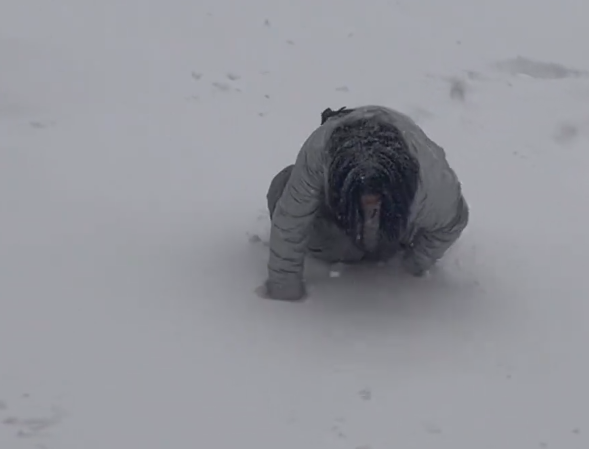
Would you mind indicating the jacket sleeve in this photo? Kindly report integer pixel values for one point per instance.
(294, 214)
(437, 234)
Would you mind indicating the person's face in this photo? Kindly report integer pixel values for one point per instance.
(370, 204)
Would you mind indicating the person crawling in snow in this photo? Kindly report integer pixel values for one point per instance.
(367, 184)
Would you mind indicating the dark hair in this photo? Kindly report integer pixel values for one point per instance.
(370, 157)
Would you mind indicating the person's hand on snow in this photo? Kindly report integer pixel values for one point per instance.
(412, 266)
(292, 291)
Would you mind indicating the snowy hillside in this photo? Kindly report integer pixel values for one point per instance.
(137, 141)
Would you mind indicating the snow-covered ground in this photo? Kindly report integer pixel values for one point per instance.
(137, 141)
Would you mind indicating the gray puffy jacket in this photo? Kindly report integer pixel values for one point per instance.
(438, 215)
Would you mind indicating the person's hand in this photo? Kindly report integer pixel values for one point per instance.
(293, 291)
(411, 266)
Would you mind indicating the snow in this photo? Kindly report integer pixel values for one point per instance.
(137, 143)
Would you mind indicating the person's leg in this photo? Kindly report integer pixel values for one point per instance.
(277, 187)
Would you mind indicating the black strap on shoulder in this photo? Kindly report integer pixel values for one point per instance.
(329, 113)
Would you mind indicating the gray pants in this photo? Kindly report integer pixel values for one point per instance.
(326, 240)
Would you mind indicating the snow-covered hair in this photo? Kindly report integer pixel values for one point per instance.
(370, 157)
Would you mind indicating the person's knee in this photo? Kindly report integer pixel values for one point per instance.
(276, 188)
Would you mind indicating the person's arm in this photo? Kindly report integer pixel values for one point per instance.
(437, 236)
(292, 219)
